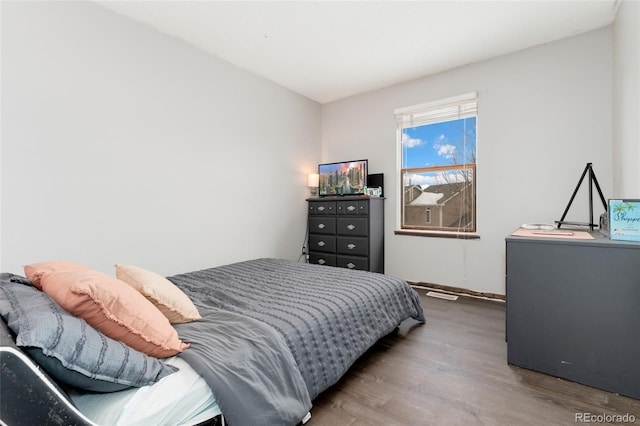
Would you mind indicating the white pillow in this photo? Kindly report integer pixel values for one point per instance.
(169, 299)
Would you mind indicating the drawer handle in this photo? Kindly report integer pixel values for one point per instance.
(321, 226)
(351, 246)
(321, 243)
(351, 227)
(321, 208)
(350, 265)
(321, 262)
(351, 208)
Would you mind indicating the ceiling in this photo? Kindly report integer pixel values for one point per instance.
(328, 50)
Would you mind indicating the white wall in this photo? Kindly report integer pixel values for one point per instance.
(626, 100)
(120, 144)
(543, 114)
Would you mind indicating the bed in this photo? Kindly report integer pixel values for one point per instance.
(272, 335)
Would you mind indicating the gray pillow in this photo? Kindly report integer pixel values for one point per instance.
(69, 349)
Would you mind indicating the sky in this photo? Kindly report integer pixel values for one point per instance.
(438, 144)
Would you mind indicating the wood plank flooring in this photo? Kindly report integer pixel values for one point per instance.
(453, 371)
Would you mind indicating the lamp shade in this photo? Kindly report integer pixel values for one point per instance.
(313, 180)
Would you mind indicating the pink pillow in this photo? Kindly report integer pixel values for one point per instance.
(115, 309)
(35, 271)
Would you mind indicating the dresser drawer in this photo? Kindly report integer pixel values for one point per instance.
(324, 243)
(352, 207)
(322, 207)
(358, 246)
(353, 262)
(322, 258)
(356, 226)
(322, 225)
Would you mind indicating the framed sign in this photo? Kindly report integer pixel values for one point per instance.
(374, 192)
(624, 219)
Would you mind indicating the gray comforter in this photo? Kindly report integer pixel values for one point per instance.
(276, 333)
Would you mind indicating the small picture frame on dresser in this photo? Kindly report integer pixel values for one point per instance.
(373, 192)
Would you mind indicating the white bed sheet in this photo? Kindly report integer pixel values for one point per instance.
(182, 398)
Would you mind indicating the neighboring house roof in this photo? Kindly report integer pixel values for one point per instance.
(434, 193)
(427, 199)
(411, 192)
(448, 189)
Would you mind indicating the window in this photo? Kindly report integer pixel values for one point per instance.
(437, 164)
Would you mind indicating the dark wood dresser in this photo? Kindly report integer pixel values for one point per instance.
(347, 232)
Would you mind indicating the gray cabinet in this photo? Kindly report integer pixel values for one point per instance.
(573, 310)
(347, 232)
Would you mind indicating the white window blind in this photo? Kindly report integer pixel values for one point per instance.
(442, 110)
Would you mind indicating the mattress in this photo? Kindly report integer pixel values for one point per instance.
(182, 398)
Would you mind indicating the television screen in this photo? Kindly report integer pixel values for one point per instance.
(343, 178)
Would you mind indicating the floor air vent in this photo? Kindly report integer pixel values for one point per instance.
(442, 295)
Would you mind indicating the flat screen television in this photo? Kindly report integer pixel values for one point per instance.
(342, 178)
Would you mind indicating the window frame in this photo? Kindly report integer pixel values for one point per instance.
(450, 109)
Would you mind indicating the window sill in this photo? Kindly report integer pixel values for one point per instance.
(439, 234)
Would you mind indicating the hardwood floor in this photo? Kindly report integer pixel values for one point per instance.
(453, 371)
